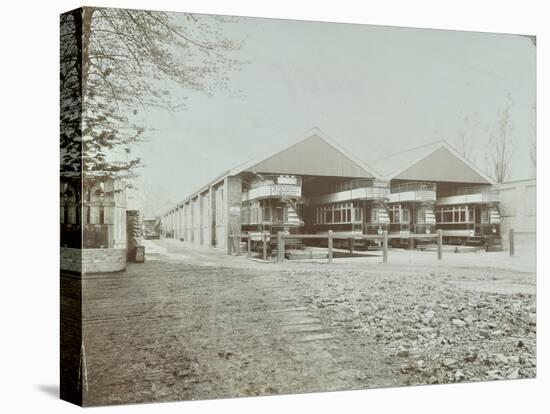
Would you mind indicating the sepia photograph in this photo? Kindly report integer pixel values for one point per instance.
(255, 206)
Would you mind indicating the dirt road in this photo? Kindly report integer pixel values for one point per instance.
(192, 323)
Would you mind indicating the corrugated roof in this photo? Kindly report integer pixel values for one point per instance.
(348, 164)
(311, 153)
(426, 162)
(389, 164)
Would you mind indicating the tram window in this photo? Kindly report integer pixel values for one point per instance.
(447, 216)
(357, 213)
(405, 216)
(462, 216)
(393, 212)
(278, 215)
(485, 216)
(328, 215)
(338, 216)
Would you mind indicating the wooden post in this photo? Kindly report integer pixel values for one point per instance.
(351, 242)
(249, 246)
(385, 244)
(330, 246)
(230, 244)
(512, 244)
(280, 247)
(264, 246)
(237, 244)
(439, 244)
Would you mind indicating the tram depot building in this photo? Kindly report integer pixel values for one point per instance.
(313, 185)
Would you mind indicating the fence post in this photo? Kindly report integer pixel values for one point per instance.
(238, 244)
(249, 246)
(439, 244)
(330, 246)
(229, 244)
(385, 244)
(280, 247)
(512, 244)
(264, 246)
(351, 242)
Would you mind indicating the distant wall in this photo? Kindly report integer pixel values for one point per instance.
(518, 205)
(518, 210)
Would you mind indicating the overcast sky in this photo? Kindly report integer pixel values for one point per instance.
(373, 89)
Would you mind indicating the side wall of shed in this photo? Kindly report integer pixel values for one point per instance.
(518, 208)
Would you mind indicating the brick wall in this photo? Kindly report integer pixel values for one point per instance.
(93, 260)
(233, 207)
(518, 205)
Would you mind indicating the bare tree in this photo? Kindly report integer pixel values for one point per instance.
(499, 158)
(117, 63)
(465, 138)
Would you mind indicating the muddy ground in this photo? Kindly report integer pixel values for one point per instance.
(192, 323)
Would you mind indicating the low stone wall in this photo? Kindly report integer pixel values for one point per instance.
(93, 260)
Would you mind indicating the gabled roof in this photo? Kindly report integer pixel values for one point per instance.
(436, 161)
(311, 153)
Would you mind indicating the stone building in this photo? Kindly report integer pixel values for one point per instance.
(93, 225)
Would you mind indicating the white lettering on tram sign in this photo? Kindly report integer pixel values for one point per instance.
(285, 179)
(286, 190)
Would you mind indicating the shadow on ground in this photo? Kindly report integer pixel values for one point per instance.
(49, 389)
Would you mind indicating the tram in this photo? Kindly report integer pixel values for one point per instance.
(470, 216)
(411, 210)
(351, 209)
(151, 228)
(270, 204)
